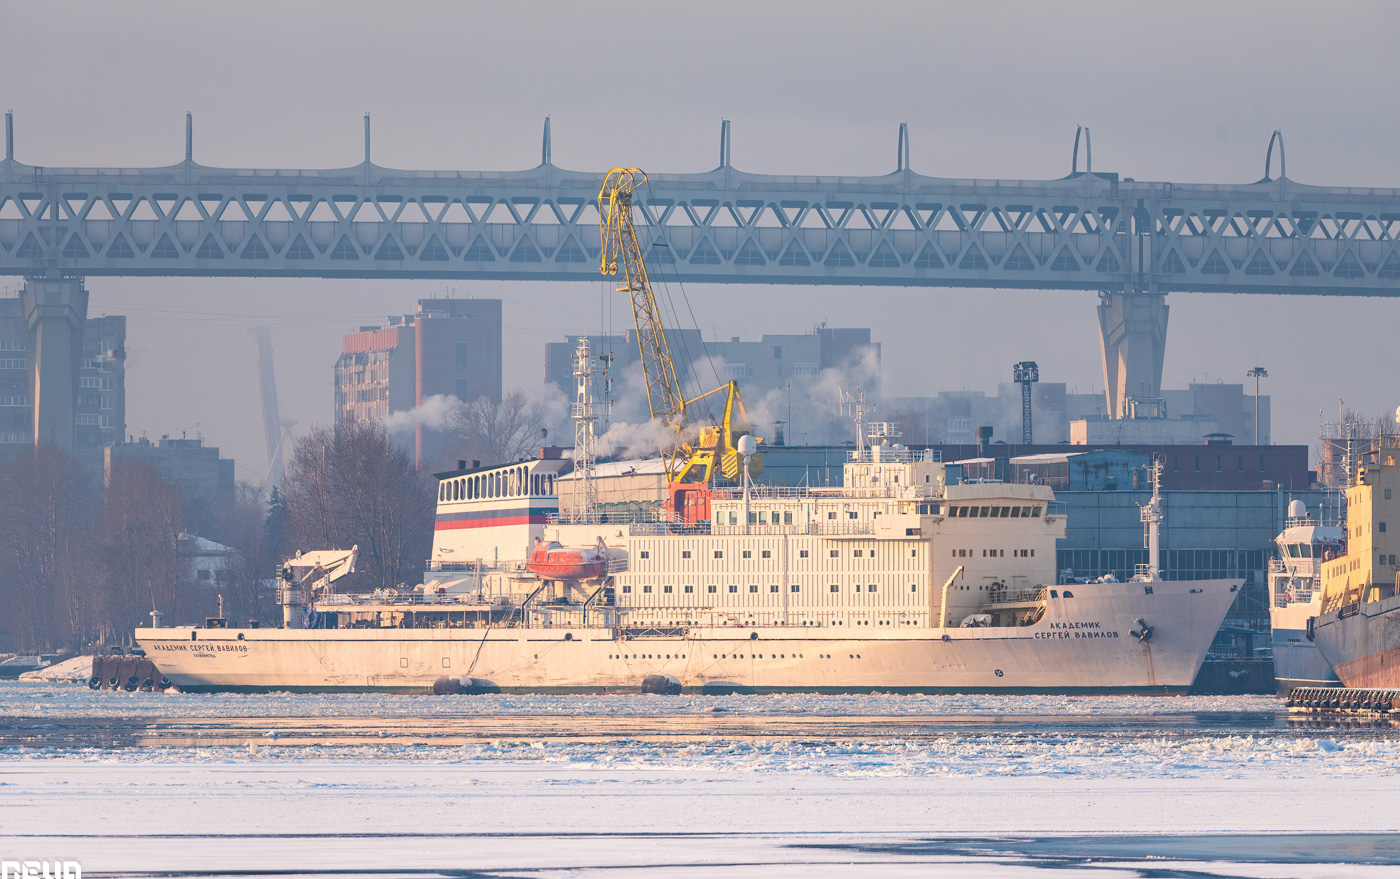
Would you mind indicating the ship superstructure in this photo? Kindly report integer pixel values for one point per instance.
(1357, 628)
(1295, 591)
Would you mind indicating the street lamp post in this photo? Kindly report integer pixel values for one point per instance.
(1257, 373)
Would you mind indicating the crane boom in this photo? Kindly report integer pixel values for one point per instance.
(619, 240)
(697, 460)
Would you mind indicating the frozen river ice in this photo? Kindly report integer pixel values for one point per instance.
(150, 784)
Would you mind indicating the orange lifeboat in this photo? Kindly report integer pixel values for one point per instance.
(554, 561)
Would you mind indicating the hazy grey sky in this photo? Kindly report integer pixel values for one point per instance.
(1183, 92)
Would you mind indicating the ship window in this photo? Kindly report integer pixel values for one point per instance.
(870, 588)
(753, 587)
(667, 589)
(851, 514)
(835, 588)
(857, 587)
(446, 663)
(626, 588)
(1054, 593)
(646, 554)
(858, 553)
(913, 587)
(787, 517)
(710, 588)
(1015, 512)
(763, 517)
(773, 588)
(1068, 594)
(747, 554)
(646, 588)
(1035, 512)
(685, 553)
(719, 553)
(986, 512)
(794, 588)
(835, 553)
(802, 553)
(403, 662)
(688, 589)
(1032, 553)
(733, 588)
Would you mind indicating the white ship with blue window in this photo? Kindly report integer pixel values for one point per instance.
(900, 580)
(1295, 592)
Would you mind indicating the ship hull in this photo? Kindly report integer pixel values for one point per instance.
(1086, 644)
(1363, 646)
(1297, 660)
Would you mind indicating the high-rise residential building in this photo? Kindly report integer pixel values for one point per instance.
(101, 394)
(449, 347)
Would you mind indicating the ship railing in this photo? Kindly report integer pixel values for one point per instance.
(617, 565)
(1018, 596)
(889, 455)
(810, 528)
(383, 597)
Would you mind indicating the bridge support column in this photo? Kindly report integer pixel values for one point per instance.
(55, 310)
(1133, 331)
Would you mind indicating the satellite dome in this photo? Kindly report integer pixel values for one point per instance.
(1297, 509)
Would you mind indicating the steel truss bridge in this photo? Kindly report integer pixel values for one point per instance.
(1132, 241)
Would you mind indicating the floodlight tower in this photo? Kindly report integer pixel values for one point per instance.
(1025, 374)
(1257, 373)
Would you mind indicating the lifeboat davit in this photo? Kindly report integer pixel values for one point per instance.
(554, 561)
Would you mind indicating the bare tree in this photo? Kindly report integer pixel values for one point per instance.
(142, 517)
(46, 556)
(496, 433)
(353, 487)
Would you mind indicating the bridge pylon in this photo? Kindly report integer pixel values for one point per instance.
(55, 309)
(1133, 334)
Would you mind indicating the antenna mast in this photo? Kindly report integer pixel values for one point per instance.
(1152, 521)
(858, 409)
(586, 496)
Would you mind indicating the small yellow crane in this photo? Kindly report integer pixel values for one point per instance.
(687, 461)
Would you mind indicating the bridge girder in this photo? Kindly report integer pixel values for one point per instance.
(1085, 232)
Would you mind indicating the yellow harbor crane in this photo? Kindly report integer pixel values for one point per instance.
(686, 460)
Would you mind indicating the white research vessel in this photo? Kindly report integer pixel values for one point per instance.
(1295, 592)
(901, 580)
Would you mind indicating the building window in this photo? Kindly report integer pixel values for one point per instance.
(777, 352)
(1261, 463)
(1219, 463)
(1381, 525)
(463, 354)
(1241, 463)
(1198, 463)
